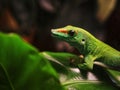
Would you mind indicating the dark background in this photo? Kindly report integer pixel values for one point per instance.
(34, 19)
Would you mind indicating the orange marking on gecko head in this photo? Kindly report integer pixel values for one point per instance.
(62, 30)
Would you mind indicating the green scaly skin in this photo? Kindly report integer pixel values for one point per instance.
(93, 50)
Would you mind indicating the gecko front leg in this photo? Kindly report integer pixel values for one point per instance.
(88, 65)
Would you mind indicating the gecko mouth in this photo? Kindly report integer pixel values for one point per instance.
(58, 34)
(59, 37)
(54, 35)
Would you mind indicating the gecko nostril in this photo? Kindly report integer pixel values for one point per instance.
(83, 40)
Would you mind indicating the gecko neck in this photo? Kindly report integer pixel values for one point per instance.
(89, 47)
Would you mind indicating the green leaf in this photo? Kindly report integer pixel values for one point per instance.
(114, 75)
(65, 64)
(66, 59)
(5, 83)
(23, 68)
(88, 85)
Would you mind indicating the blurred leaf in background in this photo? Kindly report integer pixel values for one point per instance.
(22, 68)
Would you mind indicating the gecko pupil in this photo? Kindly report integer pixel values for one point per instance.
(71, 32)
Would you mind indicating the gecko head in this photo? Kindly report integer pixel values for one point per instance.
(73, 35)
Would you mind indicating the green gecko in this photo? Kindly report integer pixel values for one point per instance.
(93, 50)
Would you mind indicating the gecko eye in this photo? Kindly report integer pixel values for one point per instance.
(71, 32)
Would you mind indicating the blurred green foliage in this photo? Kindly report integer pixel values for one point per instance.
(23, 68)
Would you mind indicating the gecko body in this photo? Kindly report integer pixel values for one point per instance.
(93, 49)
